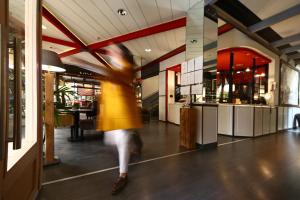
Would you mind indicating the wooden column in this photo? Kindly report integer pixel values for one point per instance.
(49, 119)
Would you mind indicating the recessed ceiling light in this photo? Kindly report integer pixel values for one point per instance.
(194, 41)
(122, 12)
(44, 27)
(148, 50)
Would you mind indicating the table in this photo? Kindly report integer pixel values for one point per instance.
(76, 113)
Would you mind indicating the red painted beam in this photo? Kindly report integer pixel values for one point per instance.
(53, 20)
(69, 53)
(221, 30)
(59, 41)
(164, 57)
(225, 28)
(140, 33)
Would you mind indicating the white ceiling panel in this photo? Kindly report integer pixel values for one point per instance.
(73, 21)
(55, 47)
(221, 22)
(81, 56)
(288, 27)
(295, 43)
(127, 20)
(179, 8)
(52, 31)
(164, 9)
(150, 11)
(266, 8)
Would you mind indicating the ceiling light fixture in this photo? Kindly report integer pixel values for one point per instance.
(194, 41)
(248, 70)
(122, 12)
(148, 50)
(44, 27)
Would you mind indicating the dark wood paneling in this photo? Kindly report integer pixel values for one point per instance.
(20, 180)
(39, 152)
(3, 85)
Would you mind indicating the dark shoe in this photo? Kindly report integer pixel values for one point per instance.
(119, 185)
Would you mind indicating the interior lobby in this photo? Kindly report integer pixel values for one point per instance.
(149, 99)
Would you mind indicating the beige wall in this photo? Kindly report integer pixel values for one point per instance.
(149, 86)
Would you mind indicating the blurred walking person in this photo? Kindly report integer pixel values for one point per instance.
(119, 115)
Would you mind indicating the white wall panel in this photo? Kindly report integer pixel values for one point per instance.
(150, 86)
(280, 118)
(243, 125)
(175, 60)
(225, 120)
(266, 120)
(258, 127)
(162, 83)
(162, 108)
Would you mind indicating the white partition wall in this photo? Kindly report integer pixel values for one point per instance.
(210, 125)
(225, 119)
(243, 116)
(280, 117)
(258, 121)
(207, 126)
(273, 119)
(266, 120)
(162, 95)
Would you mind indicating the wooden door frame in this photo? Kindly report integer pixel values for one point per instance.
(3, 88)
(7, 179)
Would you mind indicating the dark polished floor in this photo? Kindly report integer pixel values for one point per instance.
(160, 139)
(263, 168)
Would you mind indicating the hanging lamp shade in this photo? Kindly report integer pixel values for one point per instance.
(51, 62)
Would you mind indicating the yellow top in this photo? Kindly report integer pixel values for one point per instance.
(118, 107)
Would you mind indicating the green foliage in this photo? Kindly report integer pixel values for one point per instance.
(61, 94)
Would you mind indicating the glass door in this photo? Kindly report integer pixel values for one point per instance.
(20, 98)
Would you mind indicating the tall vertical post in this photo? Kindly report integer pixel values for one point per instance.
(230, 78)
(49, 119)
(253, 81)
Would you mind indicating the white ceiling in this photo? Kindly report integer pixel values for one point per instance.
(268, 8)
(95, 20)
(263, 10)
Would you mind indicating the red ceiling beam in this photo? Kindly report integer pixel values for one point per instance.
(164, 57)
(59, 41)
(225, 28)
(221, 30)
(140, 33)
(52, 19)
(60, 26)
(69, 53)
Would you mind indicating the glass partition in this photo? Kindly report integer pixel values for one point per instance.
(22, 48)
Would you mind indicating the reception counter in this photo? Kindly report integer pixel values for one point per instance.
(207, 125)
(240, 120)
(246, 120)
